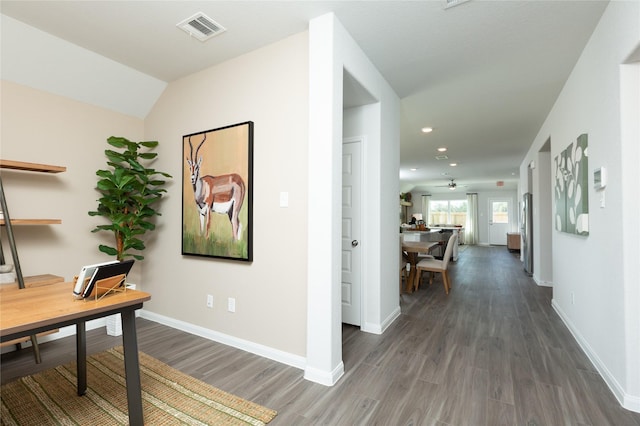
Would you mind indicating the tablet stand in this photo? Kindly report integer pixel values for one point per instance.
(106, 286)
(113, 284)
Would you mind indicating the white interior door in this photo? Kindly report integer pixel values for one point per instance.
(351, 207)
(499, 217)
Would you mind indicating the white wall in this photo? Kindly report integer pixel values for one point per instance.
(381, 298)
(332, 51)
(589, 270)
(630, 137)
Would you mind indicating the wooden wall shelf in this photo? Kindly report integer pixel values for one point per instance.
(33, 222)
(23, 281)
(31, 167)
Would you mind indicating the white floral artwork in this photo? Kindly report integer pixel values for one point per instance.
(571, 189)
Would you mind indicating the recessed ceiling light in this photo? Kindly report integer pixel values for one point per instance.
(453, 164)
(413, 169)
(427, 129)
(442, 149)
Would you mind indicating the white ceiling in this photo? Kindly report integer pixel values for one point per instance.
(483, 74)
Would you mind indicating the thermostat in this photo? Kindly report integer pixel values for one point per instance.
(600, 178)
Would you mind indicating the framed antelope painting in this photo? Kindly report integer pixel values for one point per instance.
(217, 186)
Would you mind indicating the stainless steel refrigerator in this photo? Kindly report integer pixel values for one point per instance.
(527, 233)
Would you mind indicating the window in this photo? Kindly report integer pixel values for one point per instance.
(447, 212)
(500, 212)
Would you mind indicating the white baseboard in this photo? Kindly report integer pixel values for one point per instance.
(322, 377)
(287, 358)
(630, 402)
(381, 328)
(542, 283)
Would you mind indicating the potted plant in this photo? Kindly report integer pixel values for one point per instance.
(129, 190)
(405, 196)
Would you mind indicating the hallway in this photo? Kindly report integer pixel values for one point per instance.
(492, 352)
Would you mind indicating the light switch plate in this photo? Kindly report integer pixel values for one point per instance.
(284, 199)
(600, 178)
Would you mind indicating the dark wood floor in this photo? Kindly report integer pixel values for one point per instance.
(492, 352)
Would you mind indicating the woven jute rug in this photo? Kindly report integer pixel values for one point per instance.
(169, 397)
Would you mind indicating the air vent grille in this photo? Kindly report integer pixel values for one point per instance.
(452, 3)
(441, 157)
(201, 26)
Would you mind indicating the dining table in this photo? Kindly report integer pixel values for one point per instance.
(415, 242)
(412, 249)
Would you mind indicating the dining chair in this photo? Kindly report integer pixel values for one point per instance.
(403, 265)
(435, 265)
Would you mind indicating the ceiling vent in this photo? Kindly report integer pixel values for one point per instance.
(201, 27)
(441, 157)
(448, 4)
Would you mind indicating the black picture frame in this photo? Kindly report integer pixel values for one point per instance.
(217, 192)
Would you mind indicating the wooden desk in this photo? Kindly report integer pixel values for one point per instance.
(412, 248)
(37, 309)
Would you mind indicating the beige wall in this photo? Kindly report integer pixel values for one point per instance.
(269, 87)
(44, 128)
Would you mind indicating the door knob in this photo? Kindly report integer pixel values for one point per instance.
(354, 243)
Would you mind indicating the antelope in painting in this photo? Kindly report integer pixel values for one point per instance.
(219, 194)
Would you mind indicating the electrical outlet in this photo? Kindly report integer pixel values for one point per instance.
(209, 301)
(232, 304)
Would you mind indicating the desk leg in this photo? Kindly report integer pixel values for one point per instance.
(132, 367)
(81, 357)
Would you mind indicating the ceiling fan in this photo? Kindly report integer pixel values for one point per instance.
(451, 185)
